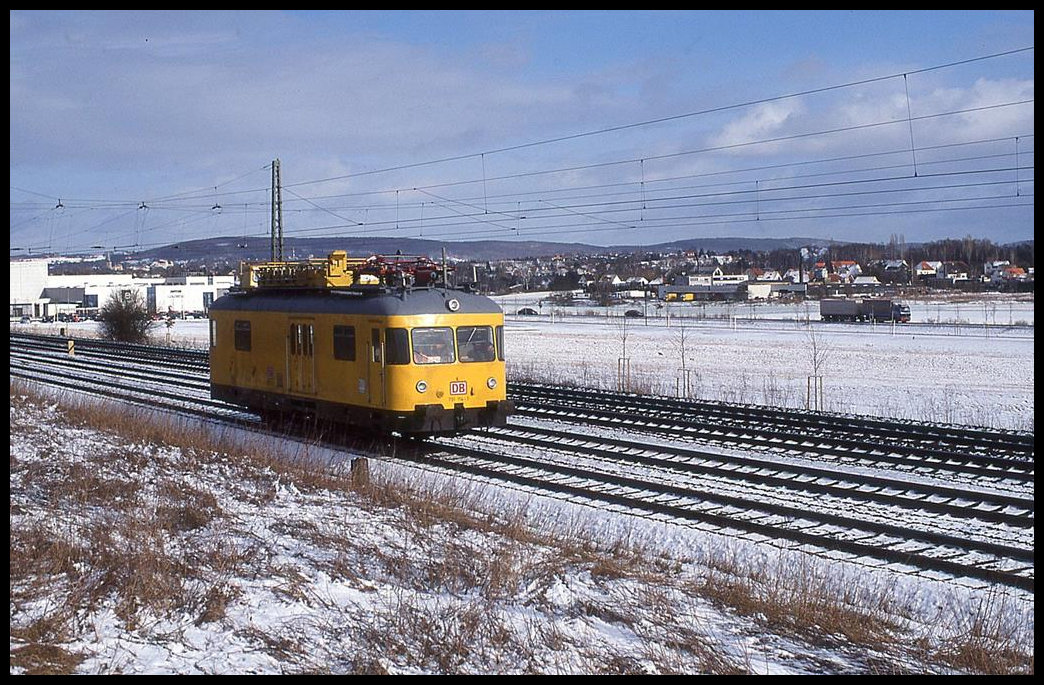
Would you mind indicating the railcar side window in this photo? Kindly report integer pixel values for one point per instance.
(344, 343)
(242, 337)
(397, 346)
(213, 333)
(433, 346)
(301, 342)
(475, 343)
(500, 343)
(375, 345)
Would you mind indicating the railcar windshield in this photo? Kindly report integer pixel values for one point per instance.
(475, 343)
(433, 346)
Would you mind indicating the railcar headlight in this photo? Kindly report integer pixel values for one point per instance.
(422, 386)
(453, 304)
(491, 383)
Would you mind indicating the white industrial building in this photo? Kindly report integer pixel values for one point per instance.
(187, 295)
(95, 290)
(38, 295)
(28, 280)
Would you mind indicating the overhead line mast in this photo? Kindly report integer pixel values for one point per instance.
(277, 214)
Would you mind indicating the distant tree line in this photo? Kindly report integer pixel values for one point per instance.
(972, 251)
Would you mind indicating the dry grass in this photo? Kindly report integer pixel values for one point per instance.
(989, 639)
(138, 528)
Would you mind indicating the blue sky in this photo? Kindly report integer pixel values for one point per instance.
(143, 128)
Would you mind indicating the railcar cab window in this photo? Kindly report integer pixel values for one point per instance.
(397, 346)
(475, 343)
(344, 343)
(500, 343)
(242, 336)
(433, 346)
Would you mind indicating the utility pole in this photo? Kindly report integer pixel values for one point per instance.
(277, 214)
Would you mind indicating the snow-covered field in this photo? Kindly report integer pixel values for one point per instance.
(952, 368)
(287, 578)
(995, 309)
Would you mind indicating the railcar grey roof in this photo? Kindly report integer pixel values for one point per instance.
(417, 301)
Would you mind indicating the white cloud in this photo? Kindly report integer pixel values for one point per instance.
(761, 122)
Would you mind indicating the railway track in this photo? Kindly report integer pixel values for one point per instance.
(818, 493)
(845, 436)
(813, 528)
(783, 477)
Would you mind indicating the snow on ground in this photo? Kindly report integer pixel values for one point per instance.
(948, 368)
(265, 572)
(303, 579)
(905, 374)
(951, 369)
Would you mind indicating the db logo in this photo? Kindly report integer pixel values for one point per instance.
(459, 388)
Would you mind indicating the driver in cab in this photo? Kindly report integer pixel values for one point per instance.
(438, 353)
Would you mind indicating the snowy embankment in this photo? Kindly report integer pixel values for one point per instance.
(143, 548)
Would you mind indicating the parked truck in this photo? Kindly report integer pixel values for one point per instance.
(863, 309)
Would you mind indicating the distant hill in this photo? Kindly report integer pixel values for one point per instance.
(722, 245)
(260, 248)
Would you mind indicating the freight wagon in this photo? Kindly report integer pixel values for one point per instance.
(863, 309)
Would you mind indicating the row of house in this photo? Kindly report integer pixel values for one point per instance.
(715, 284)
(688, 276)
(709, 280)
(39, 295)
(1004, 271)
(994, 272)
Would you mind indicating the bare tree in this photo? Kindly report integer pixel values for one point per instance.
(685, 385)
(818, 354)
(623, 364)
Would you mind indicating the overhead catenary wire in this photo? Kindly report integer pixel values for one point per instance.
(645, 182)
(676, 117)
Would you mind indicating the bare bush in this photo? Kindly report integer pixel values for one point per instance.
(125, 318)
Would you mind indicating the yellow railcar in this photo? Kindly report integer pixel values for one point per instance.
(413, 360)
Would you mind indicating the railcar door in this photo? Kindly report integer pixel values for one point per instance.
(300, 357)
(375, 380)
